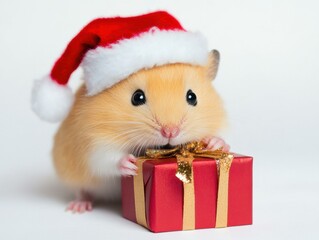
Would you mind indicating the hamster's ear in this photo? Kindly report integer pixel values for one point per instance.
(213, 62)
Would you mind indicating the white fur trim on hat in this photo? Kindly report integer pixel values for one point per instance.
(50, 100)
(106, 66)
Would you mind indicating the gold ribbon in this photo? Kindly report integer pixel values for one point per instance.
(185, 155)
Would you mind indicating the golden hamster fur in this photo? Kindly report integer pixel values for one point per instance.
(101, 137)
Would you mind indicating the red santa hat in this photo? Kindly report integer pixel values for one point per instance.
(111, 49)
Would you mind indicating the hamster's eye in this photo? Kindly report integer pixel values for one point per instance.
(191, 98)
(138, 98)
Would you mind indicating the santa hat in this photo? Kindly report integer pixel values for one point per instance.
(111, 49)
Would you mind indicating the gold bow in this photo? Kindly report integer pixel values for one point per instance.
(185, 154)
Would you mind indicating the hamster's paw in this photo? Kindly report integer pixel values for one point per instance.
(127, 165)
(214, 143)
(82, 204)
(79, 206)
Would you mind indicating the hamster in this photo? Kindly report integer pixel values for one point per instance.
(103, 134)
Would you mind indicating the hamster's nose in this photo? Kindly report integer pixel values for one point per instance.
(170, 131)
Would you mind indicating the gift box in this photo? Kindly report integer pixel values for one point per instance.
(218, 192)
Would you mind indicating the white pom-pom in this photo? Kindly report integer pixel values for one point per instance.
(50, 100)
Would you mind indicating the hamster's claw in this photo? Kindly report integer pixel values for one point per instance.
(214, 143)
(79, 206)
(82, 203)
(127, 165)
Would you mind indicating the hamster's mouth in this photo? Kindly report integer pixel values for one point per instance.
(142, 151)
(167, 146)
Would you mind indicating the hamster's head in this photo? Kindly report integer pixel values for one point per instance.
(171, 104)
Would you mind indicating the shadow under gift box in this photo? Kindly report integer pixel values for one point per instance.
(164, 194)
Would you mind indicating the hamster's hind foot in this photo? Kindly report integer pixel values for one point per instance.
(82, 203)
(79, 206)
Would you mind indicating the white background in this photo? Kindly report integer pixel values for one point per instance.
(268, 79)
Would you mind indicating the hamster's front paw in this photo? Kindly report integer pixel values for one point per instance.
(214, 143)
(127, 165)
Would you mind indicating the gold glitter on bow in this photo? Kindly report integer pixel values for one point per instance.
(185, 155)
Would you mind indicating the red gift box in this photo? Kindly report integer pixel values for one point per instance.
(164, 194)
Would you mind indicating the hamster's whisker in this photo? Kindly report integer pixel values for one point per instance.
(152, 119)
(125, 132)
(152, 126)
(105, 123)
(126, 122)
(142, 143)
(149, 121)
(154, 145)
(139, 148)
(139, 143)
(153, 123)
(127, 146)
(116, 112)
(117, 136)
(133, 140)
